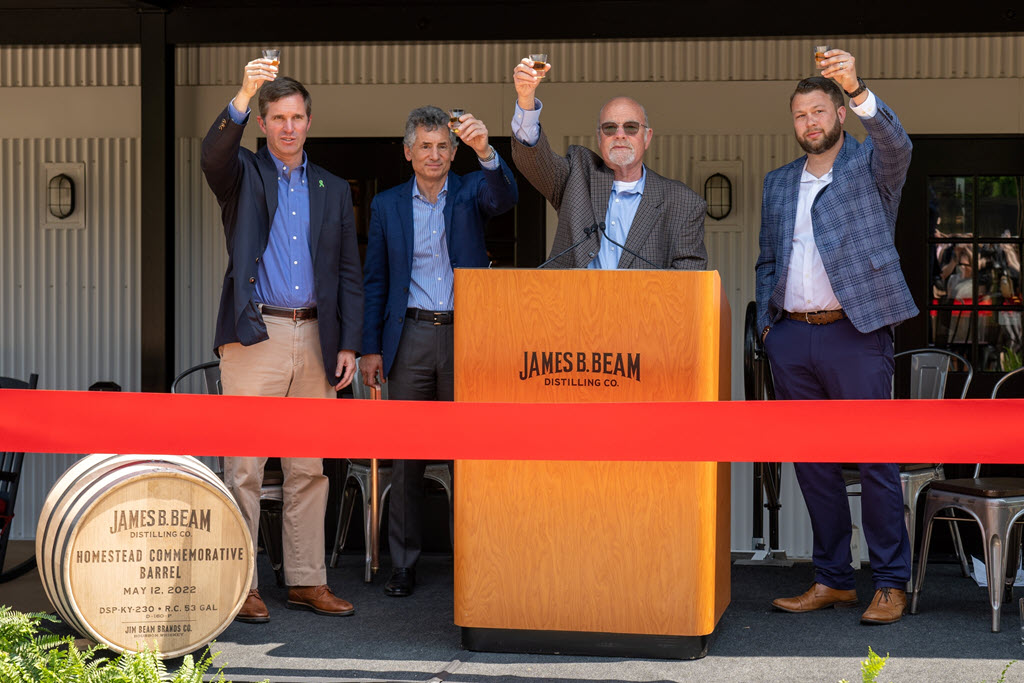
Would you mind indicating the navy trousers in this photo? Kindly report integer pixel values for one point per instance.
(835, 361)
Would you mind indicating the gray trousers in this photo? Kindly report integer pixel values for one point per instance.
(423, 371)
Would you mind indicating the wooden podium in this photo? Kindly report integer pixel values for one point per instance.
(606, 558)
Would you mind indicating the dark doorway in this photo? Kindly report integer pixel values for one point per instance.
(514, 239)
(960, 234)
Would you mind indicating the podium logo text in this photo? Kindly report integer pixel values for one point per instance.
(609, 364)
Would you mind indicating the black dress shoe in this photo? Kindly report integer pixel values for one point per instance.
(401, 583)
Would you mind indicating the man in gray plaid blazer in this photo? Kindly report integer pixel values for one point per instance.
(829, 292)
(613, 212)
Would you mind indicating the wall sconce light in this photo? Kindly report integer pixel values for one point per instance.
(60, 196)
(63, 195)
(718, 195)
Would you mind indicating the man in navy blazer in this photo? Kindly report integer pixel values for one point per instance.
(419, 232)
(291, 309)
(829, 293)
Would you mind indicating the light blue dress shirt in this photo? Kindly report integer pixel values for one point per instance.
(622, 203)
(433, 283)
(284, 276)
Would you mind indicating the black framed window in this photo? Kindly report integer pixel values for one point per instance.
(975, 241)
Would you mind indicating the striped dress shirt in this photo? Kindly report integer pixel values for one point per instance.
(433, 283)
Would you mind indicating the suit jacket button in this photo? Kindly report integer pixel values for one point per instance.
(592, 254)
(257, 259)
(252, 280)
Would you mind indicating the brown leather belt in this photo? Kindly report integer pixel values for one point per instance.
(436, 317)
(817, 317)
(291, 313)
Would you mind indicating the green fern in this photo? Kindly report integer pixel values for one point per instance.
(871, 667)
(31, 654)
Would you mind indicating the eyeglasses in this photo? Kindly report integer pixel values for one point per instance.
(629, 128)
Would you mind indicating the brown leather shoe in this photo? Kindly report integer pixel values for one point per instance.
(254, 610)
(887, 606)
(817, 596)
(319, 599)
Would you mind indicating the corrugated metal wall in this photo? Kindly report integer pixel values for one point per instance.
(999, 56)
(69, 299)
(68, 65)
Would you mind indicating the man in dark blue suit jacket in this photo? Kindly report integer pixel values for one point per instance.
(291, 309)
(419, 231)
(829, 292)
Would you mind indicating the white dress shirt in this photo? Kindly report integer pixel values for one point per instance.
(807, 284)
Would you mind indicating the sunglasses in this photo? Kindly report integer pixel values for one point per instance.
(629, 128)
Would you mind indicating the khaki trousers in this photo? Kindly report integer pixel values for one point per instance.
(287, 364)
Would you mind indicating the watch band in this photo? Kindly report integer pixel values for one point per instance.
(860, 88)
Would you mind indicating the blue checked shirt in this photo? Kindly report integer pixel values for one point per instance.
(285, 274)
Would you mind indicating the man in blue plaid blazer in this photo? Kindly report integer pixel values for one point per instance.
(829, 292)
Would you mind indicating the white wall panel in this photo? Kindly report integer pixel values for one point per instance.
(69, 299)
(200, 270)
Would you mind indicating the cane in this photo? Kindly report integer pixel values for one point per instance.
(374, 501)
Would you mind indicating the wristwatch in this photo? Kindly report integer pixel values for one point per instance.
(860, 88)
(490, 157)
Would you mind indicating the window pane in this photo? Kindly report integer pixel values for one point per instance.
(999, 206)
(952, 330)
(952, 269)
(951, 206)
(999, 274)
(999, 340)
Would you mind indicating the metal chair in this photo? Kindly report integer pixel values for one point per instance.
(10, 477)
(271, 491)
(995, 503)
(211, 379)
(360, 476)
(929, 370)
(758, 385)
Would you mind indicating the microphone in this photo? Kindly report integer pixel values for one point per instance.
(587, 234)
(604, 231)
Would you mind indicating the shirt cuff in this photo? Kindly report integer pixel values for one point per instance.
(867, 108)
(238, 117)
(491, 165)
(526, 124)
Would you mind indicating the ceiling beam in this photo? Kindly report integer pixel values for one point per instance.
(116, 21)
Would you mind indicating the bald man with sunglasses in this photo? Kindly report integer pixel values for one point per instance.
(611, 197)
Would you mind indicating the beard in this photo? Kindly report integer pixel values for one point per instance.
(622, 157)
(830, 138)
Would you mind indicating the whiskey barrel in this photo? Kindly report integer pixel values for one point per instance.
(142, 551)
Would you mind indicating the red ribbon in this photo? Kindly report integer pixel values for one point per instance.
(947, 431)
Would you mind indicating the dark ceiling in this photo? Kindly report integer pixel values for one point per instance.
(23, 22)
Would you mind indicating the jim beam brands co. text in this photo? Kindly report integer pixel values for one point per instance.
(581, 369)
